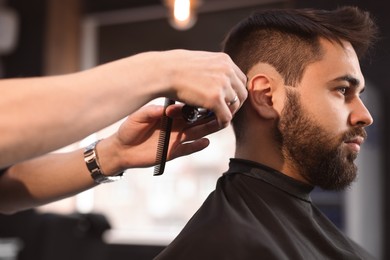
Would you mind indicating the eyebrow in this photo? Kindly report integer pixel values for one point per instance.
(354, 82)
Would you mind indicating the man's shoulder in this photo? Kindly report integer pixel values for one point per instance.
(224, 227)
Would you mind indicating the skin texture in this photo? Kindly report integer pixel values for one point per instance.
(55, 176)
(329, 95)
(39, 115)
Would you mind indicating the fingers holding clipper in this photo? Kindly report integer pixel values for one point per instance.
(223, 111)
(239, 91)
(232, 93)
(234, 103)
(239, 86)
(231, 102)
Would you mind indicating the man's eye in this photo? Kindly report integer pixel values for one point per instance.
(342, 90)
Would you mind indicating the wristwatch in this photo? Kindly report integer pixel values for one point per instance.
(92, 161)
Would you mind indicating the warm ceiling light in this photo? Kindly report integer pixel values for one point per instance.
(182, 13)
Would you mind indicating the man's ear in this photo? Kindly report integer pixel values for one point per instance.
(261, 89)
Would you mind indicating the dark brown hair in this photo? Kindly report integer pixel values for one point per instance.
(288, 39)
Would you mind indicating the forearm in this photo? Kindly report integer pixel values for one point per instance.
(43, 180)
(38, 115)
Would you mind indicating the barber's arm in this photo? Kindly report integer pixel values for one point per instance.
(39, 115)
(59, 175)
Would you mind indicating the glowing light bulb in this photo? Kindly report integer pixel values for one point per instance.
(182, 10)
(182, 13)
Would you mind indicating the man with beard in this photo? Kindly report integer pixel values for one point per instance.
(302, 126)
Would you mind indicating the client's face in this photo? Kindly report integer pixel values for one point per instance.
(322, 123)
(318, 155)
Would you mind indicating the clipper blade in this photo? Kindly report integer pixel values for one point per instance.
(192, 114)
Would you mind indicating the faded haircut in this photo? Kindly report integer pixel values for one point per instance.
(289, 40)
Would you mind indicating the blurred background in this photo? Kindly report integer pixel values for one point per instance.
(138, 216)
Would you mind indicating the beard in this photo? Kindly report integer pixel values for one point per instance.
(318, 157)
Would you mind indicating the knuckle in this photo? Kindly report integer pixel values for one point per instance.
(215, 96)
(220, 82)
(225, 56)
(224, 82)
(227, 66)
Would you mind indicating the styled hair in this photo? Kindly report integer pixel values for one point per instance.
(289, 40)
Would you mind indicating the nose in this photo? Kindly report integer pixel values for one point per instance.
(360, 116)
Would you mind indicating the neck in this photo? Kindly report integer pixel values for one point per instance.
(266, 151)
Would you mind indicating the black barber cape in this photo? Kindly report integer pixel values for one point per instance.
(259, 213)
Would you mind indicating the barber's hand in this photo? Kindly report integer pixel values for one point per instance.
(135, 143)
(206, 79)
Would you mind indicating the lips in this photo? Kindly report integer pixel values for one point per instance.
(355, 143)
(356, 140)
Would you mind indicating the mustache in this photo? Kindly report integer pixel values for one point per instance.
(354, 132)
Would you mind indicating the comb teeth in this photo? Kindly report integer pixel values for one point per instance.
(163, 140)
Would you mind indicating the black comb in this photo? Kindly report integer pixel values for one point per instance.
(163, 140)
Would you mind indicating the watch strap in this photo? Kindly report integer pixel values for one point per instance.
(92, 161)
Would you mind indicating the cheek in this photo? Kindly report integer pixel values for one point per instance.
(330, 117)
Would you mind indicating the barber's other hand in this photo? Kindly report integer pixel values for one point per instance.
(134, 145)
